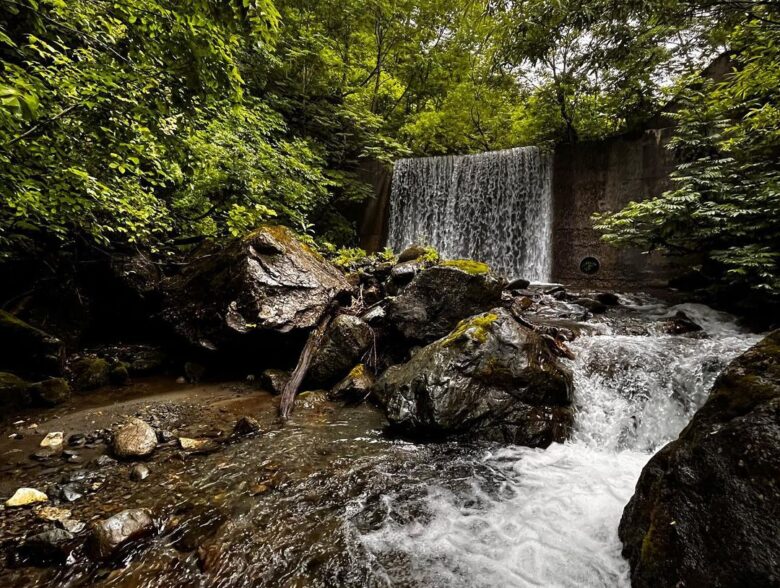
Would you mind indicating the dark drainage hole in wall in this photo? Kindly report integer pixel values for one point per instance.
(589, 265)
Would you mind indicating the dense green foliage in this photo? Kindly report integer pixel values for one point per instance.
(159, 122)
(724, 208)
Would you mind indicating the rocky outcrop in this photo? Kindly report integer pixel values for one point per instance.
(27, 350)
(490, 378)
(134, 439)
(267, 281)
(705, 508)
(438, 297)
(346, 340)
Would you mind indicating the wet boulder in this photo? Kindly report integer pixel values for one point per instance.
(266, 282)
(50, 392)
(89, 373)
(679, 324)
(355, 387)
(490, 378)
(134, 439)
(14, 391)
(416, 251)
(139, 360)
(274, 380)
(110, 535)
(345, 342)
(52, 547)
(591, 305)
(439, 297)
(704, 512)
(28, 350)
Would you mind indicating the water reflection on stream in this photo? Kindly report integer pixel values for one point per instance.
(329, 501)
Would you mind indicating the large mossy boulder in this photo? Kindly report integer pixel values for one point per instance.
(346, 340)
(490, 378)
(14, 391)
(89, 373)
(28, 350)
(439, 297)
(268, 281)
(705, 510)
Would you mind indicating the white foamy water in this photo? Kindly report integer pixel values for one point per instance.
(550, 517)
(495, 207)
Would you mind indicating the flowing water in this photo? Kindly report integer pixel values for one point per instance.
(495, 207)
(329, 500)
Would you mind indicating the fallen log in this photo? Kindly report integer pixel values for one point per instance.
(299, 373)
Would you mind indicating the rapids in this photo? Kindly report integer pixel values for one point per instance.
(550, 517)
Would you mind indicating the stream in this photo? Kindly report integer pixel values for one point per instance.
(330, 500)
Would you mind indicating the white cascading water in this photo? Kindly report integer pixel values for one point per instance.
(553, 521)
(495, 207)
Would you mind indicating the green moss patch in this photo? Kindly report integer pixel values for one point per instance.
(475, 328)
(475, 268)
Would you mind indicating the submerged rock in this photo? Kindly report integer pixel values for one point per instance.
(113, 533)
(433, 303)
(28, 350)
(267, 281)
(679, 324)
(134, 439)
(355, 387)
(347, 339)
(246, 425)
(594, 306)
(50, 547)
(489, 378)
(705, 508)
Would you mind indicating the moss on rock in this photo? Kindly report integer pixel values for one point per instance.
(475, 328)
(14, 391)
(50, 392)
(90, 373)
(475, 268)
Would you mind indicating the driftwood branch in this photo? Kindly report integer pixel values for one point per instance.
(312, 343)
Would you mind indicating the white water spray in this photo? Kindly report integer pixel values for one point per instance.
(495, 207)
(553, 521)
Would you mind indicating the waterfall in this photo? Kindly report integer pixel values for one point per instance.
(495, 207)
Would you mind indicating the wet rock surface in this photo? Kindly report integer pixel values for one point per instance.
(490, 378)
(439, 297)
(268, 281)
(113, 533)
(356, 386)
(89, 373)
(134, 439)
(705, 508)
(346, 341)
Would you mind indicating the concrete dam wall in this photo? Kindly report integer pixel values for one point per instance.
(587, 177)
